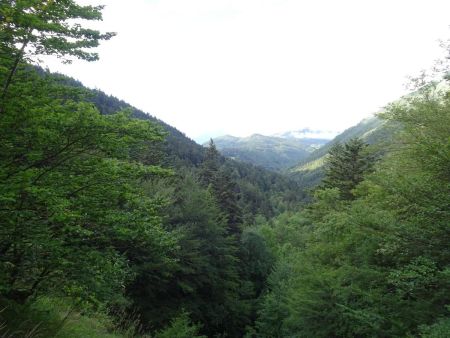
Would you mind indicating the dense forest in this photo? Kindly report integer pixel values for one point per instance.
(114, 224)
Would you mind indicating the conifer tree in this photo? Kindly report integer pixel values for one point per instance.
(226, 193)
(345, 167)
(210, 165)
(224, 188)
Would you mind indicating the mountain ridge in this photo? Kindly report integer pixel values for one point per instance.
(271, 152)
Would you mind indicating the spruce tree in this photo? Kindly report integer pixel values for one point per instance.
(210, 165)
(345, 167)
(226, 192)
(224, 188)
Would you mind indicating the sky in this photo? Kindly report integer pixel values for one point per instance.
(239, 67)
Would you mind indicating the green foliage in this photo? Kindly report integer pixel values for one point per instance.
(345, 166)
(50, 27)
(180, 327)
(70, 198)
(74, 220)
(204, 280)
(224, 189)
(274, 304)
(50, 317)
(210, 165)
(256, 258)
(440, 329)
(53, 27)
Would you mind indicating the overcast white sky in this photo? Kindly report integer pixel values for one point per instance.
(213, 67)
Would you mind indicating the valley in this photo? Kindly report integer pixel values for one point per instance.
(115, 224)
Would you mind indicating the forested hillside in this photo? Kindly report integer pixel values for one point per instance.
(114, 224)
(270, 152)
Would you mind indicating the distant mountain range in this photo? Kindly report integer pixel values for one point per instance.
(276, 152)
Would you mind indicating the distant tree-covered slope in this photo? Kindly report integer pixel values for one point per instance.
(270, 152)
(372, 130)
(180, 149)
